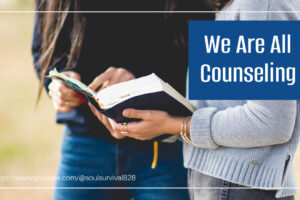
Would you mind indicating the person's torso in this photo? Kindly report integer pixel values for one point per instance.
(140, 42)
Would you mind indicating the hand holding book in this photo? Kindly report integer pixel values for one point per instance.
(110, 77)
(145, 93)
(64, 98)
(110, 124)
(154, 123)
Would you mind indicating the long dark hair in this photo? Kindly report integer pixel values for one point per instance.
(52, 23)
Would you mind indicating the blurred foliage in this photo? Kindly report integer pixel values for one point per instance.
(15, 5)
(30, 139)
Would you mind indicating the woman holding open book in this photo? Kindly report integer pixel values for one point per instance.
(241, 149)
(82, 45)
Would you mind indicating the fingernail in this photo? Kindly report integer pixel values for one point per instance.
(90, 87)
(77, 95)
(125, 112)
(82, 100)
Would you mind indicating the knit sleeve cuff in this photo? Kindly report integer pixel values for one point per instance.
(200, 128)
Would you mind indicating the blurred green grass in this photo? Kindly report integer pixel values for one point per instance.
(30, 139)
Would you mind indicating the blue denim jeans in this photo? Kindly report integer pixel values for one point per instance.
(222, 189)
(91, 162)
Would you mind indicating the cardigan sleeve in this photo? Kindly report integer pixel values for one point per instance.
(254, 124)
(272, 6)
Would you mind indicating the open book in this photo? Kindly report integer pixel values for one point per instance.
(145, 93)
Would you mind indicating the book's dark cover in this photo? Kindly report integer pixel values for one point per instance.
(150, 101)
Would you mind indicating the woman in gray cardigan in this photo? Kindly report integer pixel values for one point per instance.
(244, 144)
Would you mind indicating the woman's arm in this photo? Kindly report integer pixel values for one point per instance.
(153, 124)
(254, 124)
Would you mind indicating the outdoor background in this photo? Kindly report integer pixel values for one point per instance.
(29, 139)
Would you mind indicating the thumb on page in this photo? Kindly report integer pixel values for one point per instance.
(102, 78)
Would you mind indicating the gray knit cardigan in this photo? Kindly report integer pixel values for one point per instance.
(251, 143)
